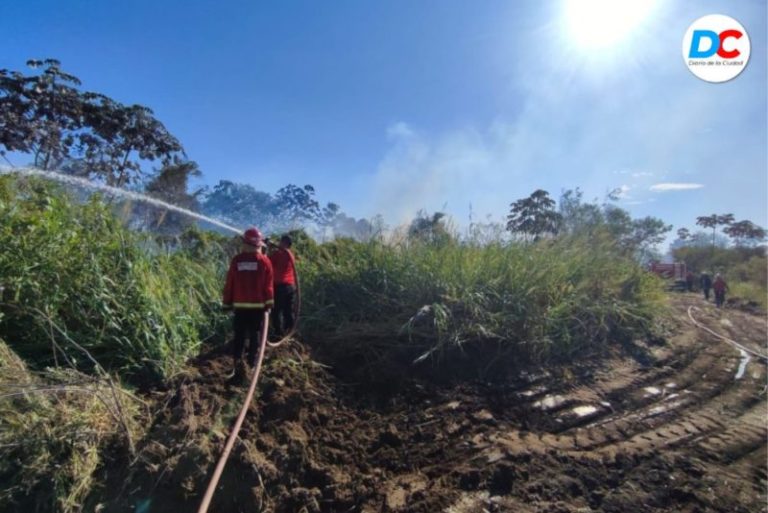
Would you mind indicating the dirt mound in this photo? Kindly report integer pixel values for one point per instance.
(663, 428)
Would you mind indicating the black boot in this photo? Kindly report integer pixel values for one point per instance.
(238, 373)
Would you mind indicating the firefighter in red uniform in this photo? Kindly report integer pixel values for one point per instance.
(250, 293)
(284, 265)
(719, 286)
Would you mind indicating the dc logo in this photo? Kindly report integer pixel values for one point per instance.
(716, 48)
(716, 44)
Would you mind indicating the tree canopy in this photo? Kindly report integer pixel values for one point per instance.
(47, 116)
(534, 216)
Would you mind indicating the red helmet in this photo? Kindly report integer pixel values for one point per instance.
(252, 236)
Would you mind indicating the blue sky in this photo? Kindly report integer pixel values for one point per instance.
(394, 106)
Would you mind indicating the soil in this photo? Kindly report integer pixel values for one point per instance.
(662, 427)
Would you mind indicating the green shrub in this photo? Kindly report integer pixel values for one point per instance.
(72, 272)
(365, 302)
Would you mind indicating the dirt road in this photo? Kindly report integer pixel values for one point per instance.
(676, 426)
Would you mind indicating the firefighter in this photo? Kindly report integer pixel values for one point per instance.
(719, 286)
(284, 265)
(689, 281)
(706, 283)
(250, 293)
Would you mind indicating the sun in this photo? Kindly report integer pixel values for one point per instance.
(604, 24)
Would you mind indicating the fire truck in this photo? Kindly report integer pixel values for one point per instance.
(674, 272)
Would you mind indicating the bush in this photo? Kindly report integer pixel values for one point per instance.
(369, 302)
(73, 272)
(54, 429)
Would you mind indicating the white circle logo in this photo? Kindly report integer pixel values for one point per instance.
(716, 48)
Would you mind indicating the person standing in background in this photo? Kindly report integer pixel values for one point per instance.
(706, 283)
(284, 265)
(689, 281)
(719, 286)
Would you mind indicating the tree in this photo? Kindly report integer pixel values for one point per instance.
(534, 216)
(683, 234)
(122, 138)
(713, 221)
(328, 216)
(578, 216)
(171, 184)
(618, 223)
(47, 116)
(647, 233)
(637, 237)
(429, 229)
(297, 204)
(347, 226)
(745, 233)
(39, 113)
(240, 204)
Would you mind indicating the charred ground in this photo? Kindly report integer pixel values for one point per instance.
(661, 427)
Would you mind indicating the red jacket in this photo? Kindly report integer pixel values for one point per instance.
(284, 264)
(249, 282)
(719, 285)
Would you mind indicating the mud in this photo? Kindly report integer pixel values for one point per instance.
(665, 427)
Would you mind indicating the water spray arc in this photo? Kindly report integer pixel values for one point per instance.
(113, 191)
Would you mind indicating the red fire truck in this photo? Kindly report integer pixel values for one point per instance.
(675, 272)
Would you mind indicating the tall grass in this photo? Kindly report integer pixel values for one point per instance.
(500, 303)
(72, 272)
(54, 428)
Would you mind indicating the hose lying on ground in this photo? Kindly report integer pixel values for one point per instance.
(758, 354)
(206, 502)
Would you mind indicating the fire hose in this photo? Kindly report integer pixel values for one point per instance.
(206, 502)
(735, 344)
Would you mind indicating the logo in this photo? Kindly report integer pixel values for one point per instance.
(716, 48)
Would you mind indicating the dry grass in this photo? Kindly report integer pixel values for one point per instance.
(55, 427)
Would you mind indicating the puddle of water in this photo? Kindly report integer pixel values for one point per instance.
(583, 411)
(656, 410)
(549, 402)
(742, 364)
(533, 391)
(651, 391)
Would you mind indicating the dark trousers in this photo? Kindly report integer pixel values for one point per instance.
(247, 325)
(719, 298)
(282, 313)
(706, 293)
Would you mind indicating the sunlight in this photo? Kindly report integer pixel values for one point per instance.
(603, 24)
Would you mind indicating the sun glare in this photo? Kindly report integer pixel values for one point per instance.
(602, 24)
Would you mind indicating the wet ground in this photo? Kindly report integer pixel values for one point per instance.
(674, 426)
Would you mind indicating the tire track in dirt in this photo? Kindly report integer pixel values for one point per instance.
(665, 429)
(700, 411)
